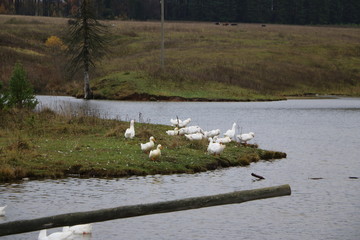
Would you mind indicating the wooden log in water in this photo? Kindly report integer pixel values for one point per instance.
(70, 219)
(258, 176)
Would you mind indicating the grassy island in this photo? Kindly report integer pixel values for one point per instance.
(47, 145)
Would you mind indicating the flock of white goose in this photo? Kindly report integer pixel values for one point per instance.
(193, 133)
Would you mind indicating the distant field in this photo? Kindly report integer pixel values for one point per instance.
(266, 60)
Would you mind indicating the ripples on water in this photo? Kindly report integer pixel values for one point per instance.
(321, 138)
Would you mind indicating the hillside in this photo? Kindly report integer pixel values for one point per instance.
(202, 60)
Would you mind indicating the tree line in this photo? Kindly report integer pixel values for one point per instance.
(301, 12)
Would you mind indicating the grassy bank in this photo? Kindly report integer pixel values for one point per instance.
(47, 145)
(202, 60)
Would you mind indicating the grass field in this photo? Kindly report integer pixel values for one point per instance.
(47, 145)
(246, 61)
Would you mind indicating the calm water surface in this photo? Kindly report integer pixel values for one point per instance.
(321, 138)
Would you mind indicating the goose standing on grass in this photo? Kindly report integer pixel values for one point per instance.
(156, 153)
(130, 132)
(55, 235)
(215, 148)
(194, 136)
(173, 132)
(81, 229)
(2, 211)
(212, 133)
(245, 137)
(190, 130)
(146, 147)
(222, 140)
(231, 132)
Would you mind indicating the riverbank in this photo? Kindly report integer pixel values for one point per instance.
(47, 145)
(246, 62)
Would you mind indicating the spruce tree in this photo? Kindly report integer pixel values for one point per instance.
(86, 42)
(21, 92)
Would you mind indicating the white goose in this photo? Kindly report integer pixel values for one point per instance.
(146, 147)
(194, 136)
(222, 140)
(185, 122)
(79, 229)
(130, 132)
(180, 123)
(215, 148)
(173, 132)
(245, 137)
(2, 210)
(231, 132)
(54, 236)
(190, 130)
(156, 153)
(212, 133)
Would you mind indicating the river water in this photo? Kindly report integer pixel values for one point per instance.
(321, 138)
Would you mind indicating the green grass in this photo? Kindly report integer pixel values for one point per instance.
(246, 61)
(121, 85)
(47, 145)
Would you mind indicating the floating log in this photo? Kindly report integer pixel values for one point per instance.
(258, 176)
(316, 178)
(70, 219)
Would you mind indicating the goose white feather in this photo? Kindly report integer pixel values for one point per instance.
(79, 229)
(156, 153)
(146, 147)
(175, 122)
(185, 122)
(212, 133)
(245, 137)
(222, 140)
(180, 123)
(54, 236)
(2, 210)
(130, 132)
(190, 130)
(194, 136)
(231, 132)
(173, 132)
(215, 148)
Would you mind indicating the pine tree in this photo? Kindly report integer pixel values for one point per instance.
(86, 42)
(21, 92)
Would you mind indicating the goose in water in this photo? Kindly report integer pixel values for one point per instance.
(79, 229)
(54, 236)
(2, 210)
(130, 132)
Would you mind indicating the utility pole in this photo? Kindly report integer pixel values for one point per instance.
(162, 35)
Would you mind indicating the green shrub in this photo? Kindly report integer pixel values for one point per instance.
(21, 92)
